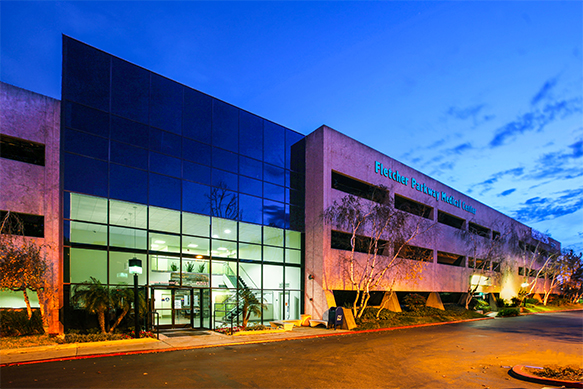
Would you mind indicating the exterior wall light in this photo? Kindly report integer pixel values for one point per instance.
(310, 277)
(135, 266)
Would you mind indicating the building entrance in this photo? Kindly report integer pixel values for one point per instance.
(180, 307)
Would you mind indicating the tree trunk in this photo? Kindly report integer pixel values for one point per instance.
(101, 318)
(43, 305)
(119, 319)
(27, 301)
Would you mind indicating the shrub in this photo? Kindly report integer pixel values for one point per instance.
(501, 303)
(482, 305)
(509, 312)
(515, 302)
(80, 338)
(14, 322)
(531, 301)
(414, 301)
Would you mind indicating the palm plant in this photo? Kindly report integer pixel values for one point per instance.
(93, 297)
(250, 304)
(122, 298)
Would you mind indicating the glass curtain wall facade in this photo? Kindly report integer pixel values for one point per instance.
(208, 196)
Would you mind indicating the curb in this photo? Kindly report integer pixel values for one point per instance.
(519, 372)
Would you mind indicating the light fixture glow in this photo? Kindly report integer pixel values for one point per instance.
(524, 284)
(199, 256)
(222, 248)
(135, 266)
(215, 236)
(227, 231)
(160, 241)
(154, 246)
(192, 245)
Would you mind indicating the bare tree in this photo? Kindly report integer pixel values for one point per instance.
(483, 251)
(374, 235)
(223, 202)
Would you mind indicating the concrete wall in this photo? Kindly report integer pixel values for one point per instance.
(328, 150)
(33, 189)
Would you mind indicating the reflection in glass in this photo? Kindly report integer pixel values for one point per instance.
(197, 116)
(165, 142)
(164, 191)
(128, 184)
(166, 104)
(164, 164)
(76, 142)
(250, 251)
(225, 126)
(77, 178)
(250, 167)
(88, 233)
(131, 91)
(164, 242)
(195, 172)
(249, 233)
(129, 155)
(223, 203)
(86, 119)
(224, 229)
(195, 197)
(251, 135)
(118, 268)
(272, 236)
(274, 144)
(195, 246)
(129, 131)
(273, 214)
(196, 151)
(224, 249)
(250, 209)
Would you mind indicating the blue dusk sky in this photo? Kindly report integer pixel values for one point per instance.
(485, 97)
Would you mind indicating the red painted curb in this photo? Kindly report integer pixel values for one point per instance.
(519, 372)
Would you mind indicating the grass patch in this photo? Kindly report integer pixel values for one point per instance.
(552, 308)
(424, 315)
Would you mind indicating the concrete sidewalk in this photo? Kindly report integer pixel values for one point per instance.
(196, 339)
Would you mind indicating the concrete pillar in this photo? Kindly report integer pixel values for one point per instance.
(391, 302)
(434, 301)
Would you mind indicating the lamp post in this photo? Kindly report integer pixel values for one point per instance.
(135, 268)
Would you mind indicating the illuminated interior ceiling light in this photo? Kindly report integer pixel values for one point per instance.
(199, 256)
(227, 231)
(223, 248)
(215, 236)
(160, 241)
(154, 246)
(192, 245)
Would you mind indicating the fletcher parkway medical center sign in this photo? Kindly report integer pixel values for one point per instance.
(394, 175)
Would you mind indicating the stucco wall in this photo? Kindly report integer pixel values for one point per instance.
(33, 189)
(328, 150)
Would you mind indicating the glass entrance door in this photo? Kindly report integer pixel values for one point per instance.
(181, 307)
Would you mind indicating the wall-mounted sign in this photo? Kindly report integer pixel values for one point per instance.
(394, 175)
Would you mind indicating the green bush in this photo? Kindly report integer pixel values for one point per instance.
(531, 301)
(515, 302)
(509, 312)
(81, 338)
(14, 322)
(414, 302)
(482, 305)
(501, 303)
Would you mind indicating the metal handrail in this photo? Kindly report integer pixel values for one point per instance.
(157, 322)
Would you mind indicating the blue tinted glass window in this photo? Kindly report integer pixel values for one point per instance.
(164, 164)
(273, 214)
(273, 174)
(250, 167)
(130, 90)
(82, 143)
(128, 184)
(287, 216)
(196, 151)
(291, 137)
(165, 142)
(298, 157)
(86, 74)
(195, 198)
(129, 131)
(164, 191)
(224, 180)
(273, 192)
(287, 178)
(225, 160)
(250, 135)
(166, 104)
(250, 209)
(273, 144)
(225, 126)
(196, 172)
(86, 119)
(129, 155)
(250, 186)
(224, 203)
(85, 175)
(197, 116)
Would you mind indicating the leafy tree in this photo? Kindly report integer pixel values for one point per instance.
(572, 275)
(379, 236)
(94, 298)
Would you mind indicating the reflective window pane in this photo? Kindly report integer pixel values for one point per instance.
(86, 119)
(166, 104)
(164, 220)
(85, 175)
(291, 138)
(195, 224)
(274, 214)
(126, 214)
(225, 160)
(274, 144)
(196, 151)
(127, 237)
(164, 242)
(129, 155)
(249, 233)
(128, 184)
(225, 126)
(128, 131)
(224, 203)
(224, 180)
(164, 191)
(119, 268)
(164, 164)
(273, 192)
(272, 277)
(250, 186)
(251, 168)
(293, 256)
(131, 90)
(273, 174)
(273, 236)
(250, 209)
(197, 116)
(88, 208)
(88, 263)
(195, 172)
(88, 233)
(224, 274)
(165, 142)
(224, 229)
(224, 249)
(195, 197)
(250, 135)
